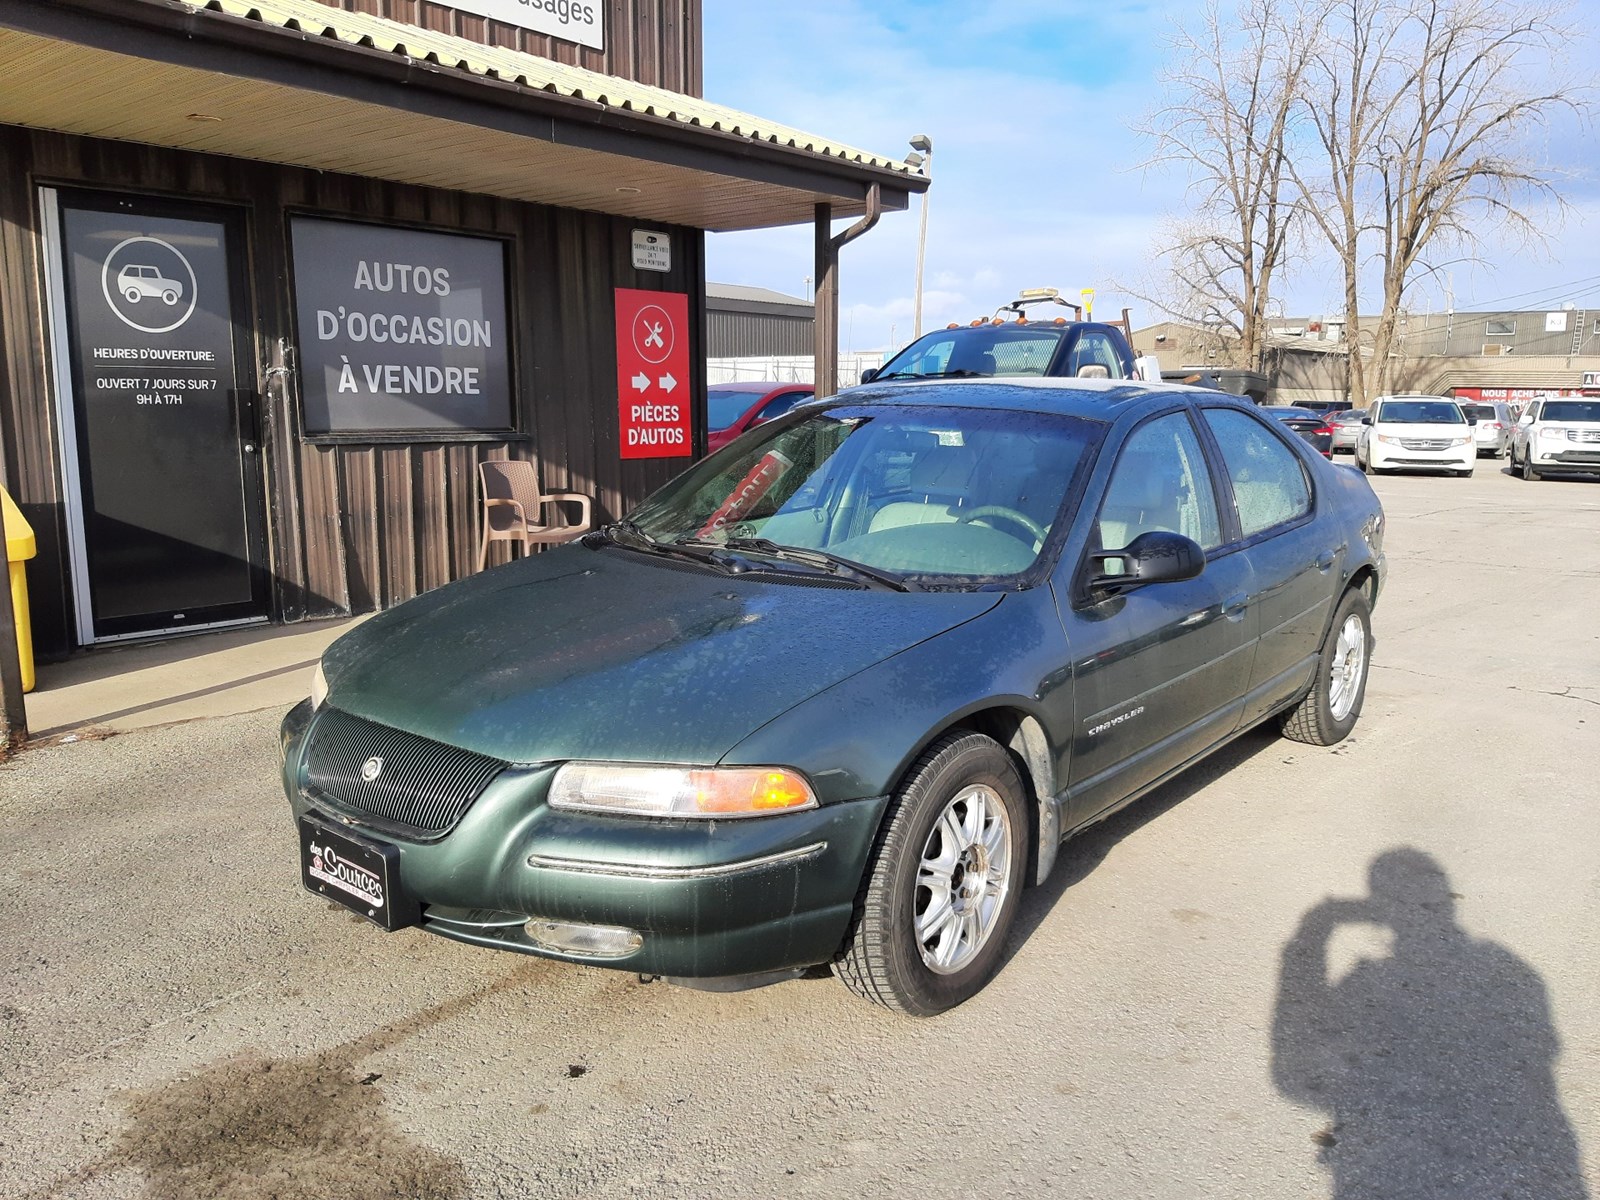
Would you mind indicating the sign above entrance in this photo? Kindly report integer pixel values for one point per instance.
(652, 251)
(653, 373)
(581, 21)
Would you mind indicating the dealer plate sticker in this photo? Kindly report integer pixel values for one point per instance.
(360, 875)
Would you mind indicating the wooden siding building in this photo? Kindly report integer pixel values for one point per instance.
(212, 214)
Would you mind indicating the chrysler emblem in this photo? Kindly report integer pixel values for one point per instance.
(371, 769)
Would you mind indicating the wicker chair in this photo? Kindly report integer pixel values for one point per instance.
(513, 508)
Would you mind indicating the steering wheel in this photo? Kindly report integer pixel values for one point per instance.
(1007, 514)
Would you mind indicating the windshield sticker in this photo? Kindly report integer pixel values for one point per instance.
(772, 467)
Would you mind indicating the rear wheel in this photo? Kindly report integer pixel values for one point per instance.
(1330, 709)
(943, 888)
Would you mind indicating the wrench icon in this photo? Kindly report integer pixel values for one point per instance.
(653, 335)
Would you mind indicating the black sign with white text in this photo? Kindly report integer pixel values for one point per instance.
(400, 329)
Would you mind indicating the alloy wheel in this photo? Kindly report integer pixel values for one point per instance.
(1349, 658)
(962, 879)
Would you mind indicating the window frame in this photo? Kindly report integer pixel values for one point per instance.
(1298, 448)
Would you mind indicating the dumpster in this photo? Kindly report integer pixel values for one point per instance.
(20, 547)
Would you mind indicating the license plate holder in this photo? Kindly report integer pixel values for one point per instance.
(361, 874)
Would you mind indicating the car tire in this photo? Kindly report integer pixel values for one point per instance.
(169, 296)
(1331, 708)
(131, 295)
(1528, 471)
(960, 809)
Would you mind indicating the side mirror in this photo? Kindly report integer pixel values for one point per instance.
(1154, 557)
(1366, 420)
(870, 374)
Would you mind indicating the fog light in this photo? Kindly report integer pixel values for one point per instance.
(597, 941)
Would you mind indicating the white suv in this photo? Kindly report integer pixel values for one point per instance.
(1558, 433)
(1416, 431)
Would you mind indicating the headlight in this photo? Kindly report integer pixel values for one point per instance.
(319, 688)
(1387, 440)
(1552, 431)
(680, 791)
(1461, 441)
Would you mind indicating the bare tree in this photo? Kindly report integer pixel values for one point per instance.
(1419, 109)
(1233, 88)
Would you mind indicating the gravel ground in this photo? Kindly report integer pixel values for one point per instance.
(1364, 972)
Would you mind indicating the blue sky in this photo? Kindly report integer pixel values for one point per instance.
(1037, 173)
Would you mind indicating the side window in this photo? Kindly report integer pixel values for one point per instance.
(779, 405)
(1269, 484)
(1160, 482)
(1094, 349)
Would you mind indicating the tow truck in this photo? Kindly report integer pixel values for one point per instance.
(1016, 340)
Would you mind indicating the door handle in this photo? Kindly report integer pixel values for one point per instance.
(1324, 561)
(1234, 607)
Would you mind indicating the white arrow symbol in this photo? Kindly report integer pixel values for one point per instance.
(667, 382)
(640, 381)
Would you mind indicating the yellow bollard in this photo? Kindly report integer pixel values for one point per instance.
(20, 546)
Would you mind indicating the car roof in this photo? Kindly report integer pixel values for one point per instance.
(1093, 399)
(758, 385)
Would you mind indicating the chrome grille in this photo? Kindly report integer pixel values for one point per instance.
(1583, 435)
(420, 785)
(1424, 444)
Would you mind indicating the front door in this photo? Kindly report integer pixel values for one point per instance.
(159, 423)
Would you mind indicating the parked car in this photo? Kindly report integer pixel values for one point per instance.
(834, 696)
(1416, 431)
(1325, 407)
(732, 408)
(1346, 429)
(1492, 424)
(1558, 434)
(1315, 429)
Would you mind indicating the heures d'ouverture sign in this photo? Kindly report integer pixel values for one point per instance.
(401, 329)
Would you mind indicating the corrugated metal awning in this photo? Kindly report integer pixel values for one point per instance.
(299, 83)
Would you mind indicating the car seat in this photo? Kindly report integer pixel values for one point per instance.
(941, 481)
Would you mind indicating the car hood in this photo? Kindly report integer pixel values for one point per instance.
(607, 653)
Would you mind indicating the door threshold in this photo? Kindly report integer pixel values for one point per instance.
(154, 635)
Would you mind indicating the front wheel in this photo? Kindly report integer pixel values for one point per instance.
(943, 888)
(1528, 472)
(1329, 711)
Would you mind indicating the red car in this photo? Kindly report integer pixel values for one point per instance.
(731, 408)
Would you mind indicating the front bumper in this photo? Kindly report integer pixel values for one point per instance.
(709, 898)
(1454, 458)
(1559, 456)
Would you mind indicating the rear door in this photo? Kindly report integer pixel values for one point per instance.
(1159, 672)
(1293, 568)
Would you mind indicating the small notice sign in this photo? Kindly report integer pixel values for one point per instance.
(652, 251)
(653, 373)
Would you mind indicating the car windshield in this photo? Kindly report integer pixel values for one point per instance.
(1011, 349)
(723, 408)
(1571, 410)
(1420, 412)
(1350, 416)
(918, 492)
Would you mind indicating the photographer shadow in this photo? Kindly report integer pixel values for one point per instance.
(1434, 1064)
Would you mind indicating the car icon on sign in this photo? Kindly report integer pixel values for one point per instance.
(135, 282)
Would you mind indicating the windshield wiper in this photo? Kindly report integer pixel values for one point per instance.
(821, 560)
(628, 535)
(958, 373)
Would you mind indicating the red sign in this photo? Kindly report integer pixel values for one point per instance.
(1509, 395)
(653, 373)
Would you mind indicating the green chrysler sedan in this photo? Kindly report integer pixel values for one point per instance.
(833, 697)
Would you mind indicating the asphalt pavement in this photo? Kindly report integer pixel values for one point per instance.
(1360, 972)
